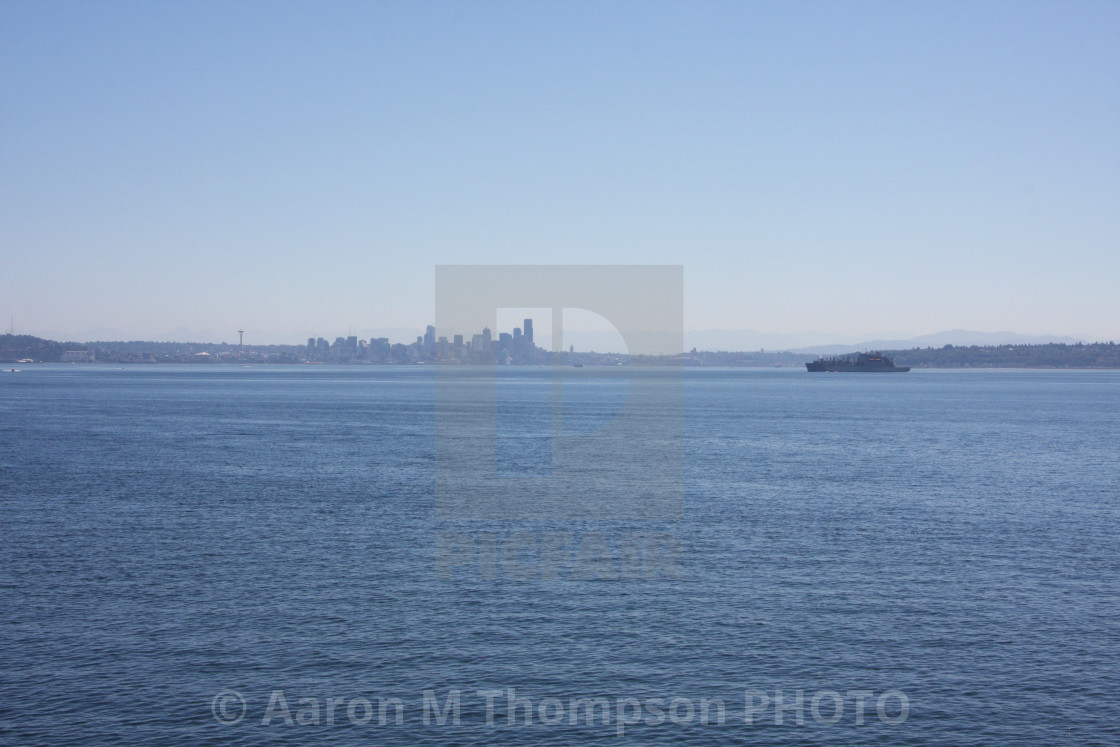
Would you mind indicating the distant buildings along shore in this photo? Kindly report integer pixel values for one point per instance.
(515, 347)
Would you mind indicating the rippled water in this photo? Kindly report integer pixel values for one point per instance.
(171, 533)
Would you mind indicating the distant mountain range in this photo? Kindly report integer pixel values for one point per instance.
(931, 354)
(822, 343)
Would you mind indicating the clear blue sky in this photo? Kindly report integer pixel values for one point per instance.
(300, 168)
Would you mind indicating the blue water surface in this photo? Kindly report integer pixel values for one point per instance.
(178, 544)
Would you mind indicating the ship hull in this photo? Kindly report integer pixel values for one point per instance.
(855, 369)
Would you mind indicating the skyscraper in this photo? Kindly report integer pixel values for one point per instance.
(529, 332)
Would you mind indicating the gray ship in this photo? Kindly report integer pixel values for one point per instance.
(857, 363)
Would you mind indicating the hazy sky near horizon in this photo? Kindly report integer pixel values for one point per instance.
(301, 168)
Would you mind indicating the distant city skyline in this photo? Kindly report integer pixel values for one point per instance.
(865, 170)
(602, 339)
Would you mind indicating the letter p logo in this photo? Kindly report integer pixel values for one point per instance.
(630, 468)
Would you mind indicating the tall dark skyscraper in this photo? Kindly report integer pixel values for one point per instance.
(529, 332)
(430, 338)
